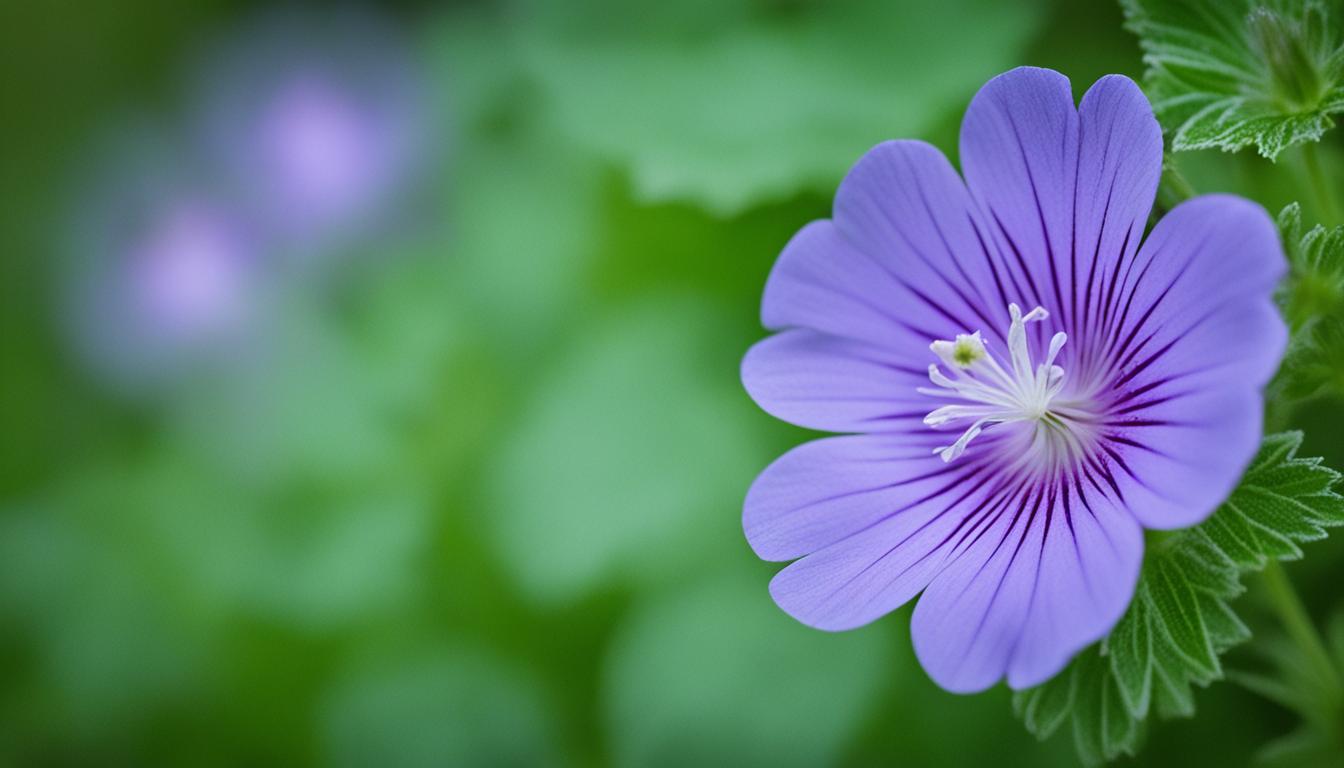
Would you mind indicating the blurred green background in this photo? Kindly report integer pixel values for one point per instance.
(473, 495)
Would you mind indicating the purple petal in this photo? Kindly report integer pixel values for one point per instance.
(904, 207)
(823, 282)
(1119, 164)
(826, 490)
(1192, 338)
(1048, 573)
(894, 539)
(834, 384)
(1019, 151)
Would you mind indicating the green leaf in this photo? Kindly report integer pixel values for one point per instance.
(1313, 301)
(1180, 620)
(1232, 73)
(781, 694)
(619, 465)
(729, 105)
(456, 706)
(1316, 260)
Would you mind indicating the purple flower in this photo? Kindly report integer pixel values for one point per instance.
(318, 120)
(163, 277)
(1030, 387)
(187, 272)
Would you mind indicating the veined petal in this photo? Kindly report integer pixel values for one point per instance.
(1019, 151)
(886, 562)
(1048, 573)
(904, 207)
(823, 282)
(827, 490)
(1192, 338)
(832, 383)
(1119, 165)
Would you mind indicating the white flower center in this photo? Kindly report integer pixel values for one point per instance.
(992, 394)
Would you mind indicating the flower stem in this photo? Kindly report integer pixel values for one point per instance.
(1320, 185)
(1179, 184)
(1298, 625)
(1173, 189)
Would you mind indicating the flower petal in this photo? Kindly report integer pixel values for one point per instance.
(1019, 152)
(826, 490)
(904, 207)
(899, 541)
(834, 384)
(1039, 577)
(1119, 165)
(1193, 337)
(823, 282)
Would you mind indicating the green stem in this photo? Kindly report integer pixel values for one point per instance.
(1173, 189)
(1179, 184)
(1298, 625)
(1320, 185)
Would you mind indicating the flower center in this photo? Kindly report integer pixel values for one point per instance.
(994, 392)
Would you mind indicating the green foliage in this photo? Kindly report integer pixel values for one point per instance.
(1313, 301)
(735, 106)
(784, 695)
(1314, 692)
(431, 709)
(1316, 258)
(632, 456)
(1232, 73)
(1180, 620)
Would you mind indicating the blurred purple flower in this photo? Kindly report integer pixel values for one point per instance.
(317, 121)
(164, 274)
(1007, 462)
(186, 271)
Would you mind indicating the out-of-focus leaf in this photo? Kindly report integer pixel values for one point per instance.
(338, 389)
(1298, 681)
(1232, 73)
(740, 105)
(1313, 301)
(715, 674)
(460, 707)
(524, 235)
(310, 561)
(112, 640)
(1314, 364)
(1179, 622)
(1316, 255)
(632, 457)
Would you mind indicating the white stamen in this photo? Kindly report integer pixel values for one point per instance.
(996, 395)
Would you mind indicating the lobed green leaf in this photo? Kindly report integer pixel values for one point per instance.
(1236, 73)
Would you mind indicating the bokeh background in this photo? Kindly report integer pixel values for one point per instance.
(368, 380)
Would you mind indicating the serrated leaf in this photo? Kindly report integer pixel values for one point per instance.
(1102, 728)
(1044, 708)
(1313, 301)
(1180, 619)
(1235, 73)
(1130, 646)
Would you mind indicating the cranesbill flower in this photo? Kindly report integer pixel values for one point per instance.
(1030, 387)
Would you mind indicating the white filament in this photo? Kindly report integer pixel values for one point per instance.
(992, 394)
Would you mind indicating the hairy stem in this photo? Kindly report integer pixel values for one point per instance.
(1298, 625)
